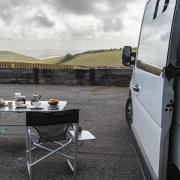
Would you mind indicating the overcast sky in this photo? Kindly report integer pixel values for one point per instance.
(42, 28)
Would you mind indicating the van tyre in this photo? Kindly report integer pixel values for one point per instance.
(129, 111)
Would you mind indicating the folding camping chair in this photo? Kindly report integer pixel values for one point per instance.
(52, 127)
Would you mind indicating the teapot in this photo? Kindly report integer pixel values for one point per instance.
(36, 97)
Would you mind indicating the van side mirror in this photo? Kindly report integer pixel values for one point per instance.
(127, 55)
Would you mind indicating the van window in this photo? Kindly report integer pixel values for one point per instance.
(165, 5)
(156, 9)
(149, 12)
(154, 39)
(162, 6)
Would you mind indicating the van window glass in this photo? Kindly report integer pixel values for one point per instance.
(165, 5)
(161, 7)
(149, 12)
(154, 41)
(156, 9)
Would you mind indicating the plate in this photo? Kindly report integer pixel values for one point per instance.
(32, 107)
(53, 107)
(21, 106)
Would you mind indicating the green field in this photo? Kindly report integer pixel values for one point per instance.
(55, 60)
(107, 58)
(7, 56)
(93, 58)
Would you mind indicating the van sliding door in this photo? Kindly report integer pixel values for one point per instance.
(151, 117)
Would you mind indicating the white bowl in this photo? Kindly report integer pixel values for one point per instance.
(36, 104)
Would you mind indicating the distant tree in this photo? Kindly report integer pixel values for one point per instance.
(68, 56)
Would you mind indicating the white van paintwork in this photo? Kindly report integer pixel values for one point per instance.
(154, 123)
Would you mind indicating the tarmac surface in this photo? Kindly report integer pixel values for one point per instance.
(111, 156)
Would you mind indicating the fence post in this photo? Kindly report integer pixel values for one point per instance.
(92, 80)
(36, 75)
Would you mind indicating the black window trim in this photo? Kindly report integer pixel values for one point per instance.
(156, 9)
(166, 3)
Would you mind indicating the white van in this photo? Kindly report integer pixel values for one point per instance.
(153, 106)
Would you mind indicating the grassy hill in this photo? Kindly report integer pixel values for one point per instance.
(89, 58)
(54, 60)
(93, 58)
(7, 56)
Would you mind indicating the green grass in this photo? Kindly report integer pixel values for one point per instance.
(54, 60)
(7, 56)
(104, 58)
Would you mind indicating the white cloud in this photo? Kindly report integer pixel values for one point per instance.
(103, 7)
(86, 24)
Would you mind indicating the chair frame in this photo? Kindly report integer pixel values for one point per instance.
(31, 145)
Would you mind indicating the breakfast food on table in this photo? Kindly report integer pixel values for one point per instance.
(53, 101)
(20, 104)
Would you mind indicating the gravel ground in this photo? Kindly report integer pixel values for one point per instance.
(110, 157)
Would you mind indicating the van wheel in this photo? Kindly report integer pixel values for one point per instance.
(129, 111)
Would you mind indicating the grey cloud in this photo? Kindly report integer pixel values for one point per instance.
(88, 7)
(73, 6)
(110, 20)
(41, 19)
(81, 35)
(8, 9)
(113, 24)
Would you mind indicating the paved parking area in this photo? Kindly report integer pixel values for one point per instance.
(110, 157)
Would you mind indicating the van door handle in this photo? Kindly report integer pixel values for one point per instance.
(136, 88)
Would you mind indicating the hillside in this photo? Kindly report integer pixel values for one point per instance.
(96, 58)
(107, 58)
(89, 58)
(54, 60)
(7, 56)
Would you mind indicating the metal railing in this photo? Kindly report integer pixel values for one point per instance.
(34, 65)
(20, 65)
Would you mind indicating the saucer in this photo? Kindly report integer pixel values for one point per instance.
(33, 107)
(21, 106)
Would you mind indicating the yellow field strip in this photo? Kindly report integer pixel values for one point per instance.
(48, 66)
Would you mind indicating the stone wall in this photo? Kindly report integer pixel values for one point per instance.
(110, 77)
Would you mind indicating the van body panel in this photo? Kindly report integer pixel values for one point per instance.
(150, 93)
(145, 163)
(151, 117)
(177, 102)
(166, 121)
(176, 146)
(149, 134)
(147, 115)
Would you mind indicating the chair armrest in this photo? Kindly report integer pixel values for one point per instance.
(84, 135)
